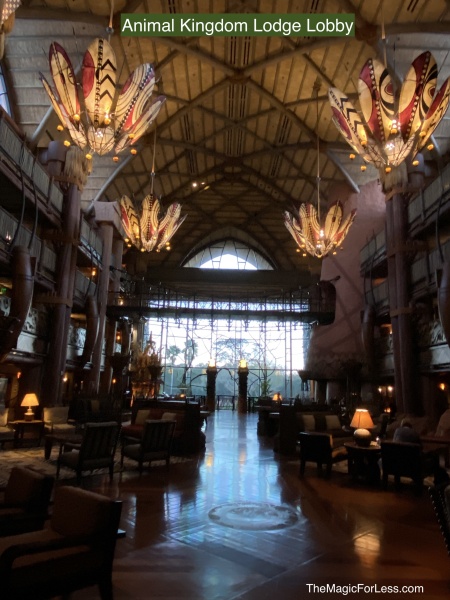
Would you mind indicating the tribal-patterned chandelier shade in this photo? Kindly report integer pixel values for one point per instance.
(147, 231)
(309, 234)
(307, 230)
(395, 126)
(95, 114)
(8, 7)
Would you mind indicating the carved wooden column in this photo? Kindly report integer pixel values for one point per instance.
(110, 325)
(211, 374)
(242, 386)
(406, 385)
(106, 232)
(68, 238)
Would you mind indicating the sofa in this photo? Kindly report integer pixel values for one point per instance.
(188, 437)
(293, 420)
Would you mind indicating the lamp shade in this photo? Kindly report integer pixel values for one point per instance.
(30, 400)
(362, 421)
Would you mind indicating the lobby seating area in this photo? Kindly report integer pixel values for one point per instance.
(344, 532)
(224, 284)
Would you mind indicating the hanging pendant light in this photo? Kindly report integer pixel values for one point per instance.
(395, 126)
(98, 114)
(146, 230)
(307, 230)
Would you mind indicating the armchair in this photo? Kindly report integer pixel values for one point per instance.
(403, 459)
(25, 501)
(74, 552)
(96, 450)
(441, 435)
(155, 444)
(317, 447)
(56, 420)
(6, 432)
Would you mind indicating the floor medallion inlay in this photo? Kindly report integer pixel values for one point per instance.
(255, 516)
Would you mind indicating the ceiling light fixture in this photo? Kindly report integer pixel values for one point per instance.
(146, 231)
(394, 126)
(98, 114)
(308, 232)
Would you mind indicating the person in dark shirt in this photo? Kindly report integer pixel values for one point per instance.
(405, 433)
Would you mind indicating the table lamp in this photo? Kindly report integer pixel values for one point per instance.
(362, 422)
(29, 400)
(277, 397)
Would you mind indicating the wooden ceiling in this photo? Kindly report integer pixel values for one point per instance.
(236, 138)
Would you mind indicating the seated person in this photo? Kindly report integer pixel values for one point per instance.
(406, 433)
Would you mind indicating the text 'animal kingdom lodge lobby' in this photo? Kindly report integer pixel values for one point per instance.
(224, 299)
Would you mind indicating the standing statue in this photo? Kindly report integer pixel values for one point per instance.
(146, 370)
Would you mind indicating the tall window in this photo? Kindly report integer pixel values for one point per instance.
(274, 351)
(4, 100)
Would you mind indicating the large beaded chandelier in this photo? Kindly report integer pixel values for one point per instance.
(392, 127)
(97, 116)
(306, 228)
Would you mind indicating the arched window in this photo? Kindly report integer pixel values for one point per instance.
(229, 254)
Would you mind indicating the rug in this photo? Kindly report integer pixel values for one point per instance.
(33, 458)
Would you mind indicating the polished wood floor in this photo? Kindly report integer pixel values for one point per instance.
(346, 533)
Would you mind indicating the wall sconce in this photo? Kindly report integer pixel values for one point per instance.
(65, 378)
(443, 386)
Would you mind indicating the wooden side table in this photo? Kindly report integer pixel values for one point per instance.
(27, 431)
(363, 462)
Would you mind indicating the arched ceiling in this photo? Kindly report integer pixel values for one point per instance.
(240, 119)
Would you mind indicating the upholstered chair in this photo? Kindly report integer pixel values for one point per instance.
(96, 450)
(24, 501)
(403, 459)
(318, 447)
(75, 550)
(6, 432)
(56, 420)
(155, 444)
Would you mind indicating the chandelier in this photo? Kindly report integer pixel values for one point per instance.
(306, 229)
(146, 231)
(396, 126)
(7, 18)
(311, 237)
(95, 114)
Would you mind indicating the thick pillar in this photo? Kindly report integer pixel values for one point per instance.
(242, 386)
(106, 232)
(406, 383)
(211, 374)
(111, 326)
(65, 282)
